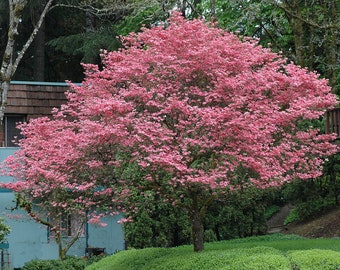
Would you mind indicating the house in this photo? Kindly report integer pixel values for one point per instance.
(28, 239)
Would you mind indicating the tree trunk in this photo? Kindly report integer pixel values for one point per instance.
(90, 22)
(61, 250)
(196, 213)
(200, 199)
(64, 247)
(335, 189)
(39, 55)
(197, 229)
(65, 244)
(183, 6)
(217, 232)
(213, 9)
(297, 28)
(292, 9)
(331, 44)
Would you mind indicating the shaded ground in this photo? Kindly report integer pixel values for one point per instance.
(275, 223)
(326, 225)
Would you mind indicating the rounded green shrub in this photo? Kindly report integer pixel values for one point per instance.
(315, 259)
(42, 265)
(71, 263)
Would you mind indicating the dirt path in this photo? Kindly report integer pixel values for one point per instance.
(275, 223)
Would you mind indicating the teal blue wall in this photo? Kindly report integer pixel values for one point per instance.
(29, 240)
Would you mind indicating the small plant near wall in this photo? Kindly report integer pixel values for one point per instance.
(4, 230)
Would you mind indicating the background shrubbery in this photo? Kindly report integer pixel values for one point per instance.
(315, 196)
(235, 215)
(71, 263)
(4, 230)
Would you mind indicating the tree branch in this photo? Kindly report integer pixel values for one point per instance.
(98, 11)
(307, 21)
(75, 237)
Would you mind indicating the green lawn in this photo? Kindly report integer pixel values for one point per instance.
(265, 252)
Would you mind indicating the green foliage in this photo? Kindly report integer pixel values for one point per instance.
(140, 17)
(277, 237)
(332, 165)
(157, 224)
(209, 236)
(40, 265)
(250, 258)
(264, 252)
(293, 216)
(87, 45)
(315, 259)
(311, 209)
(240, 213)
(259, 19)
(4, 230)
(271, 210)
(70, 263)
(236, 214)
(314, 196)
(144, 14)
(132, 259)
(306, 210)
(259, 258)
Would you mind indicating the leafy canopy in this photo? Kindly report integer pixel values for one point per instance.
(193, 106)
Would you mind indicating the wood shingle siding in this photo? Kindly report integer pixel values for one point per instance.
(35, 99)
(28, 100)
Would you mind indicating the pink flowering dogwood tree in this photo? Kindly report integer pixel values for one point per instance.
(197, 110)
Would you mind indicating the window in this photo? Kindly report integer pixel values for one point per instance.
(70, 226)
(12, 133)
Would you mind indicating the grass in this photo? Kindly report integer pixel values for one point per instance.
(286, 252)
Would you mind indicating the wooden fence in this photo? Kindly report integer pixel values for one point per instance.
(333, 122)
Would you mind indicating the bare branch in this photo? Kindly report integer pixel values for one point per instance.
(99, 11)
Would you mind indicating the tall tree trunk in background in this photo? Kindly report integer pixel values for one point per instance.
(311, 45)
(331, 43)
(90, 22)
(39, 43)
(213, 9)
(297, 27)
(182, 4)
(39, 55)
